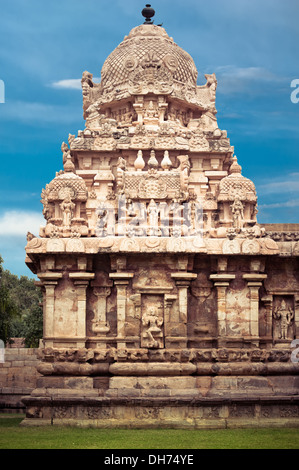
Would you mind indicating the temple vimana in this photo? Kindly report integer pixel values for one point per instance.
(166, 303)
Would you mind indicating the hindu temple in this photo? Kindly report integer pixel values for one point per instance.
(165, 302)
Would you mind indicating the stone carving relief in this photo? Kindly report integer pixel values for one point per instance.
(75, 246)
(67, 207)
(153, 215)
(238, 200)
(238, 214)
(152, 322)
(88, 90)
(250, 247)
(231, 247)
(283, 315)
(64, 200)
(149, 200)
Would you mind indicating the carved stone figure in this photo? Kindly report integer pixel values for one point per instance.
(212, 85)
(67, 207)
(238, 213)
(152, 333)
(153, 217)
(66, 151)
(285, 317)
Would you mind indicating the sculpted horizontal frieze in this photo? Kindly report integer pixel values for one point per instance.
(151, 244)
(224, 357)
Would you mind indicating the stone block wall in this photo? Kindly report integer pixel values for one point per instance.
(18, 377)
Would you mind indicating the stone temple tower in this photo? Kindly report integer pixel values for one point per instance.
(165, 302)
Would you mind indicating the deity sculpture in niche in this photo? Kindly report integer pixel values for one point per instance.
(238, 213)
(285, 316)
(153, 215)
(152, 333)
(67, 207)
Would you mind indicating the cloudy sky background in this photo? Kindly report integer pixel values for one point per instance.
(251, 45)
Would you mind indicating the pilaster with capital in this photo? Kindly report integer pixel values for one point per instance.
(49, 281)
(254, 282)
(81, 281)
(221, 282)
(99, 325)
(182, 281)
(268, 304)
(121, 281)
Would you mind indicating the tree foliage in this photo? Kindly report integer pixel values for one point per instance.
(20, 311)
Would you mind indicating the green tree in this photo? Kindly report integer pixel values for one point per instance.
(8, 310)
(23, 292)
(33, 327)
(20, 312)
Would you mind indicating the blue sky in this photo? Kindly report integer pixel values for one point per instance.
(251, 45)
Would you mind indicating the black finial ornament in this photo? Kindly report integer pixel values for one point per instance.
(148, 12)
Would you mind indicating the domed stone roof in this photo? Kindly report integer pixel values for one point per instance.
(236, 184)
(147, 46)
(74, 183)
(67, 184)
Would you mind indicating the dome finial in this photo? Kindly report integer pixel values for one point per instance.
(235, 167)
(148, 12)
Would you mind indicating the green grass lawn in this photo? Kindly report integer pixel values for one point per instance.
(13, 436)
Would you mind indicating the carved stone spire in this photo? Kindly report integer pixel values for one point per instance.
(68, 166)
(235, 167)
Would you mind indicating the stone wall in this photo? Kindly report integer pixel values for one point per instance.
(18, 377)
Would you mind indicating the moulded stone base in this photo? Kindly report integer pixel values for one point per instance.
(236, 423)
(167, 412)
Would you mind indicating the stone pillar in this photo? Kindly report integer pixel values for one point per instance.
(182, 281)
(102, 293)
(81, 281)
(100, 326)
(254, 282)
(168, 303)
(268, 303)
(49, 281)
(139, 108)
(121, 281)
(221, 282)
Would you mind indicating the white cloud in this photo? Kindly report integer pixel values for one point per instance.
(279, 187)
(71, 83)
(245, 73)
(277, 205)
(233, 79)
(16, 223)
(38, 112)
